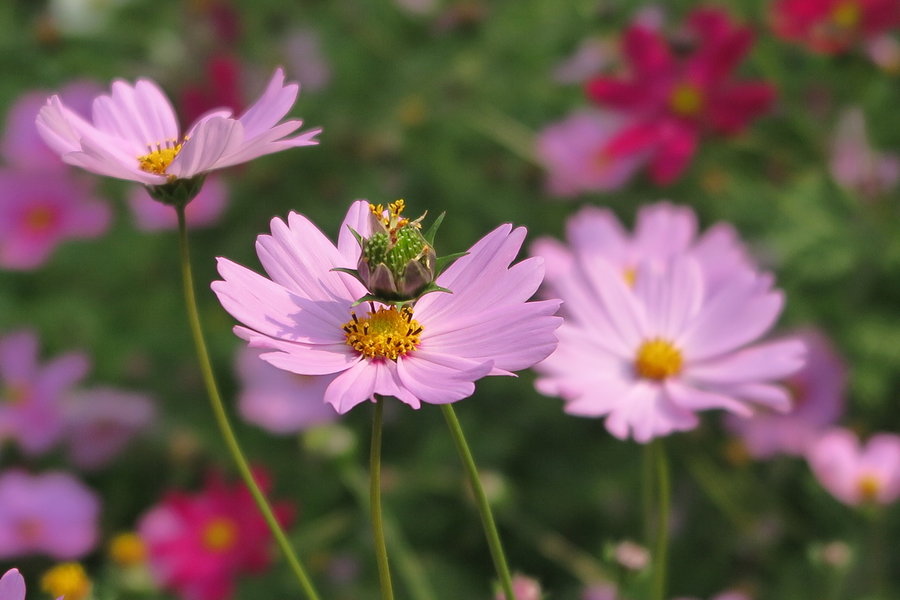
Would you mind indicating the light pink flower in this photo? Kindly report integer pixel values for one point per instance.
(524, 588)
(52, 514)
(204, 210)
(31, 410)
(817, 392)
(854, 473)
(433, 352)
(651, 355)
(12, 585)
(573, 153)
(600, 591)
(305, 60)
(855, 164)
(591, 56)
(101, 421)
(135, 135)
(41, 209)
(279, 401)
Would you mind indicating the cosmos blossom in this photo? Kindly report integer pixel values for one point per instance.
(831, 26)
(134, 134)
(855, 164)
(12, 585)
(433, 352)
(857, 473)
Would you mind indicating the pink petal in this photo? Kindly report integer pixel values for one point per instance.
(353, 386)
(440, 378)
(762, 362)
(12, 585)
(672, 296)
(213, 139)
(677, 144)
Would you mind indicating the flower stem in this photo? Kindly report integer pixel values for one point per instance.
(381, 556)
(661, 547)
(222, 417)
(484, 508)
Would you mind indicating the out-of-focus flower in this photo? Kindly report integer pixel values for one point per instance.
(220, 87)
(855, 164)
(198, 544)
(417, 7)
(857, 474)
(723, 596)
(431, 352)
(135, 135)
(674, 101)
(817, 393)
(632, 556)
(67, 581)
(280, 401)
(82, 17)
(600, 591)
(831, 26)
(52, 514)
(31, 412)
(204, 210)
(39, 210)
(592, 56)
(884, 51)
(303, 53)
(12, 585)
(524, 588)
(574, 153)
(100, 422)
(127, 549)
(652, 355)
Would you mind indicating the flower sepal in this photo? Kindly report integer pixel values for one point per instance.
(178, 192)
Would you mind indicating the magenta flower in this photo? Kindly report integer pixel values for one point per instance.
(817, 392)
(135, 135)
(573, 152)
(431, 352)
(651, 355)
(674, 101)
(52, 514)
(204, 210)
(855, 164)
(856, 474)
(12, 585)
(831, 26)
(198, 544)
(279, 401)
(41, 209)
(32, 413)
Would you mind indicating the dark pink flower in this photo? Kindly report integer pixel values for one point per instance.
(674, 101)
(204, 210)
(197, 544)
(220, 87)
(831, 26)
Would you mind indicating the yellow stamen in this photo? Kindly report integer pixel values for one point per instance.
(686, 100)
(630, 275)
(846, 15)
(658, 359)
(67, 580)
(219, 534)
(127, 549)
(386, 333)
(868, 485)
(158, 160)
(39, 218)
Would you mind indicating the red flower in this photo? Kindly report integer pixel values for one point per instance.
(674, 100)
(220, 87)
(831, 26)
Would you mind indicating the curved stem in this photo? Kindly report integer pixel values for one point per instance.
(484, 508)
(222, 417)
(661, 548)
(381, 556)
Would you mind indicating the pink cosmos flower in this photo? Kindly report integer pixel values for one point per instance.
(855, 164)
(591, 56)
(651, 355)
(52, 514)
(135, 135)
(12, 585)
(856, 474)
(572, 151)
(524, 588)
(305, 60)
(817, 392)
(204, 210)
(101, 421)
(674, 101)
(432, 352)
(279, 401)
(32, 411)
(197, 544)
(831, 26)
(41, 209)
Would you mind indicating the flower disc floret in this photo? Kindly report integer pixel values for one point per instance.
(386, 333)
(157, 161)
(658, 359)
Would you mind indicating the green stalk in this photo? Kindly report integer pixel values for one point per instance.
(481, 501)
(221, 416)
(381, 556)
(661, 547)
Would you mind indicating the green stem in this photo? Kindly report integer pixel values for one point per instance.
(484, 508)
(381, 556)
(221, 416)
(661, 548)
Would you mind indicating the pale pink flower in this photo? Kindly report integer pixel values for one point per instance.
(817, 392)
(433, 352)
(592, 55)
(41, 209)
(204, 210)
(52, 514)
(524, 588)
(31, 411)
(572, 151)
(305, 59)
(600, 591)
(135, 135)
(884, 51)
(12, 585)
(854, 473)
(855, 164)
(280, 401)
(651, 355)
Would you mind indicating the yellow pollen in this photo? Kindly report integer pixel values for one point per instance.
(67, 580)
(127, 549)
(658, 359)
(868, 485)
(39, 218)
(630, 275)
(846, 15)
(686, 100)
(386, 333)
(219, 534)
(157, 161)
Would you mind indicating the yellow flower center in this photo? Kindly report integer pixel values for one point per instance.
(846, 15)
(658, 359)
(158, 160)
(67, 580)
(386, 333)
(630, 275)
(219, 534)
(686, 100)
(868, 486)
(40, 218)
(127, 549)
